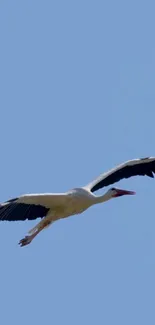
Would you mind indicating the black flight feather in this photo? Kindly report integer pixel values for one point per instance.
(14, 211)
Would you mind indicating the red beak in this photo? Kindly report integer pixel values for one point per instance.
(123, 192)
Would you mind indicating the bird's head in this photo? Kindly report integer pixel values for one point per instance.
(116, 192)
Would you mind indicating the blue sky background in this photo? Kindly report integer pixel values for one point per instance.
(77, 82)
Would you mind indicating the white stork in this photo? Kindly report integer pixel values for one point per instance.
(54, 206)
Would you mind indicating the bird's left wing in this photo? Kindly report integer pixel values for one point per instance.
(30, 206)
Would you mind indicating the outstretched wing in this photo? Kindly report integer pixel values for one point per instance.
(141, 167)
(30, 206)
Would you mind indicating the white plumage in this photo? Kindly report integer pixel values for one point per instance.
(53, 206)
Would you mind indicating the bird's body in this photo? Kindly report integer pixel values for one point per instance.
(54, 206)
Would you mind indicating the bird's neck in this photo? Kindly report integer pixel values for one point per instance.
(103, 198)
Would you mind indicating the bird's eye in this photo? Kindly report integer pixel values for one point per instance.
(113, 189)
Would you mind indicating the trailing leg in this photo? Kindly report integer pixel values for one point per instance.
(34, 232)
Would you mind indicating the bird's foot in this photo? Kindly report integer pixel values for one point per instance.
(25, 241)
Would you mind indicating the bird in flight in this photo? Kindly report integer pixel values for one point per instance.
(51, 207)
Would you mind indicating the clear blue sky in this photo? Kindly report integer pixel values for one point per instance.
(77, 82)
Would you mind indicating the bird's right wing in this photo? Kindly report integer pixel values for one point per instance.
(30, 206)
(135, 167)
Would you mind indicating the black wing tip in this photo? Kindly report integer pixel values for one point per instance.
(145, 158)
(12, 200)
(5, 203)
